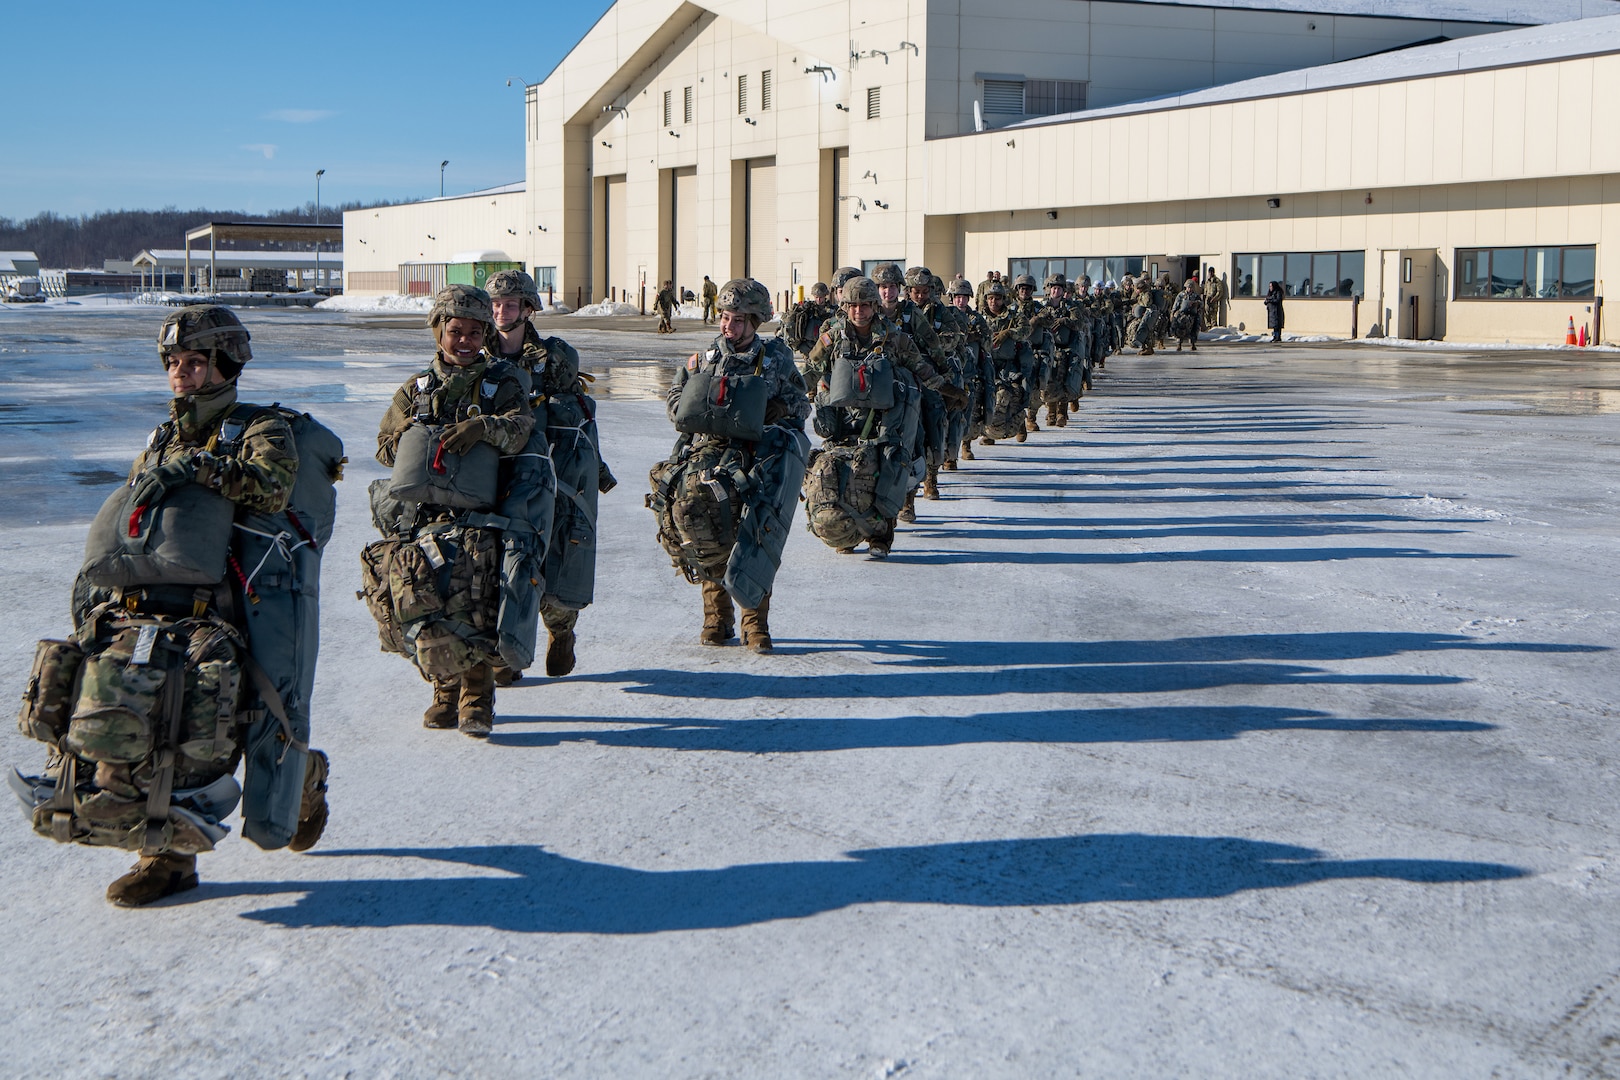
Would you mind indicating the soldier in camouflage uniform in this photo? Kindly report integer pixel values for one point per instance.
(203, 350)
(802, 324)
(664, 303)
(1009, 345)
(564, 411)
(1187, 315)
(1038, 318)
(979, 373)
(738, 350)
(862, 324)
(452, 392)
(902, 313)
(945, 326)
(991, 277)
(1214, 298)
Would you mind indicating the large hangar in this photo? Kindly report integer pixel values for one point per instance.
(1443, 161)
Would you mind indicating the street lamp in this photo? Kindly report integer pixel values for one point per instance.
(318, 174)
(442, 164)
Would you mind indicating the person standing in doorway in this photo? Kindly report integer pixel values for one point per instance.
(710, 291)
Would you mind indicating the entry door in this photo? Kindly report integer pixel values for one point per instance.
(683, 212)
(618, 272)
(1390, 295)
(759, 257)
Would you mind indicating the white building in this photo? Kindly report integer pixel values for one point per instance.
(1419, 153)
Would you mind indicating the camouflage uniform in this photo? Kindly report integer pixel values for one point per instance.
(456, 395)
(710, 291)
(979, 374)
(787, 406)
(1187, 315)
(258, 478)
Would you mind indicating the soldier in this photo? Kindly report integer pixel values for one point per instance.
(1014, 363)
(1214, 298)
(565, 413)
(708, 294)
(1186, 316)
(904, 314)
(991, 277)
(860, 332)
(979, 374)
(664, 304)
(802, 325)
(468, 399)
(109, 787)
(1038, 318)
(944, 422)
(724, 501)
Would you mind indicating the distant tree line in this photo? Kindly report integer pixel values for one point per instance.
(84, 242)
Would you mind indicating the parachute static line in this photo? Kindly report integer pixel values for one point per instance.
(278, 546)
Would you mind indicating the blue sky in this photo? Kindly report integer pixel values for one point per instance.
(234, 106)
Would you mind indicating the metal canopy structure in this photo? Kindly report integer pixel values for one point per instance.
(216, 231)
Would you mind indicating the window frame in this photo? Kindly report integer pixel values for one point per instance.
(1483, 263)
(1257, 262)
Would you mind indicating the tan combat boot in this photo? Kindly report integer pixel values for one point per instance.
(718, 622)
(756, 630)
(505, 676)
(908, 512)
(153, 878)
(560, 654)
(476, 709)
(312, 811)
(931, 483)
(442, 713)
(967, 450)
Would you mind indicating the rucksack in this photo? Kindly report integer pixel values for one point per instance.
(697, 497)
(851, 492)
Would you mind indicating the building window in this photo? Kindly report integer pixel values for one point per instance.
(1305, 275)
(874, 102)
(545, 278)
(669, 108)
(765, 91)
(686, 105)
(1099, 269)
(1044, 97)
(1003, 97)
(742, 94)
(1538, 273)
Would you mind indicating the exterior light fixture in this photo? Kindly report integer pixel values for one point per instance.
(1274, 203)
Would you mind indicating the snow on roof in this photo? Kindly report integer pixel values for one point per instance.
(10, 259)
(503, 189)
(1527, 12)
(1507, 48)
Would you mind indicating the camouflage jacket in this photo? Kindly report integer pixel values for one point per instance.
(452, 392)
(909, 319)
(899, 346)
(788, 403)
(258, 477)
(1011, 323)
(954, 330)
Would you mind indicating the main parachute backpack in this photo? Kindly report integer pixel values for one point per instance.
(697, 498)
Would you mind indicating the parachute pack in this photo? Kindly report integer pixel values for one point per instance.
(1006, 415)
(168, 682)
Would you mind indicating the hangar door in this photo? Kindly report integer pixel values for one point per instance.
(759, 253)
(843, 209)
(618, 274)
(683, 238)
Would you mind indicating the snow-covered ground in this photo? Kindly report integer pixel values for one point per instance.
(1258, 723)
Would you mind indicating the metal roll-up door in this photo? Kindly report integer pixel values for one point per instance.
(619, 274)
(760, 259)
(843, 209)
(683, 266)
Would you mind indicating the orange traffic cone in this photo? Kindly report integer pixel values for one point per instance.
(1569, 338)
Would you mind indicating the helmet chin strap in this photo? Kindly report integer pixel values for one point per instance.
(509, 327)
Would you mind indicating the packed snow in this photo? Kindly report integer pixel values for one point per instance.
(1260, 722)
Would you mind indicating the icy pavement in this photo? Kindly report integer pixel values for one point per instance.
(1256, 724)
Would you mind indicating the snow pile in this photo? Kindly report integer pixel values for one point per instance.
(609, 307)
(390, 302)
(1506, 346)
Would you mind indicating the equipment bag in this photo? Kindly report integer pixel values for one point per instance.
(436, 598)
(860, 381)
(726, 406)
(697, 497)
(762, 530)
(183, 540)
(149, 705)
(425, 472)
(851, 493)
(1006, 417)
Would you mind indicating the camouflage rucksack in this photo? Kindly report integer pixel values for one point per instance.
(1006, 417)
(697, 497)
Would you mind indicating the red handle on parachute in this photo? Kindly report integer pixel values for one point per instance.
(720, 396)
(437, 464)
(861, 373)
(135, 520)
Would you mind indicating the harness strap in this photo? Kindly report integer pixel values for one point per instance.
(173, 701)
(272, 701)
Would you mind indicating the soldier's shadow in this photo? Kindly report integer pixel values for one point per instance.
(526, 889)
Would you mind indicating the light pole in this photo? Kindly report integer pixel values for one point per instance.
(442, 164)
(318, 174)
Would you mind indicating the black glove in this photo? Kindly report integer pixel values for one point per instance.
(462, 437)
(151, 485)
(605, 480)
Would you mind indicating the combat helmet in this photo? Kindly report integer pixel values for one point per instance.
(937, 285)
(996, 288)
(919, 277)
(509, 283)
(843, 274)
(819, 291)
(746, 297)
(887, 274)
(207, 328)
(1023, 279)
(861, 290)
(960, 287)
(1055, 279)
(462, 302)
